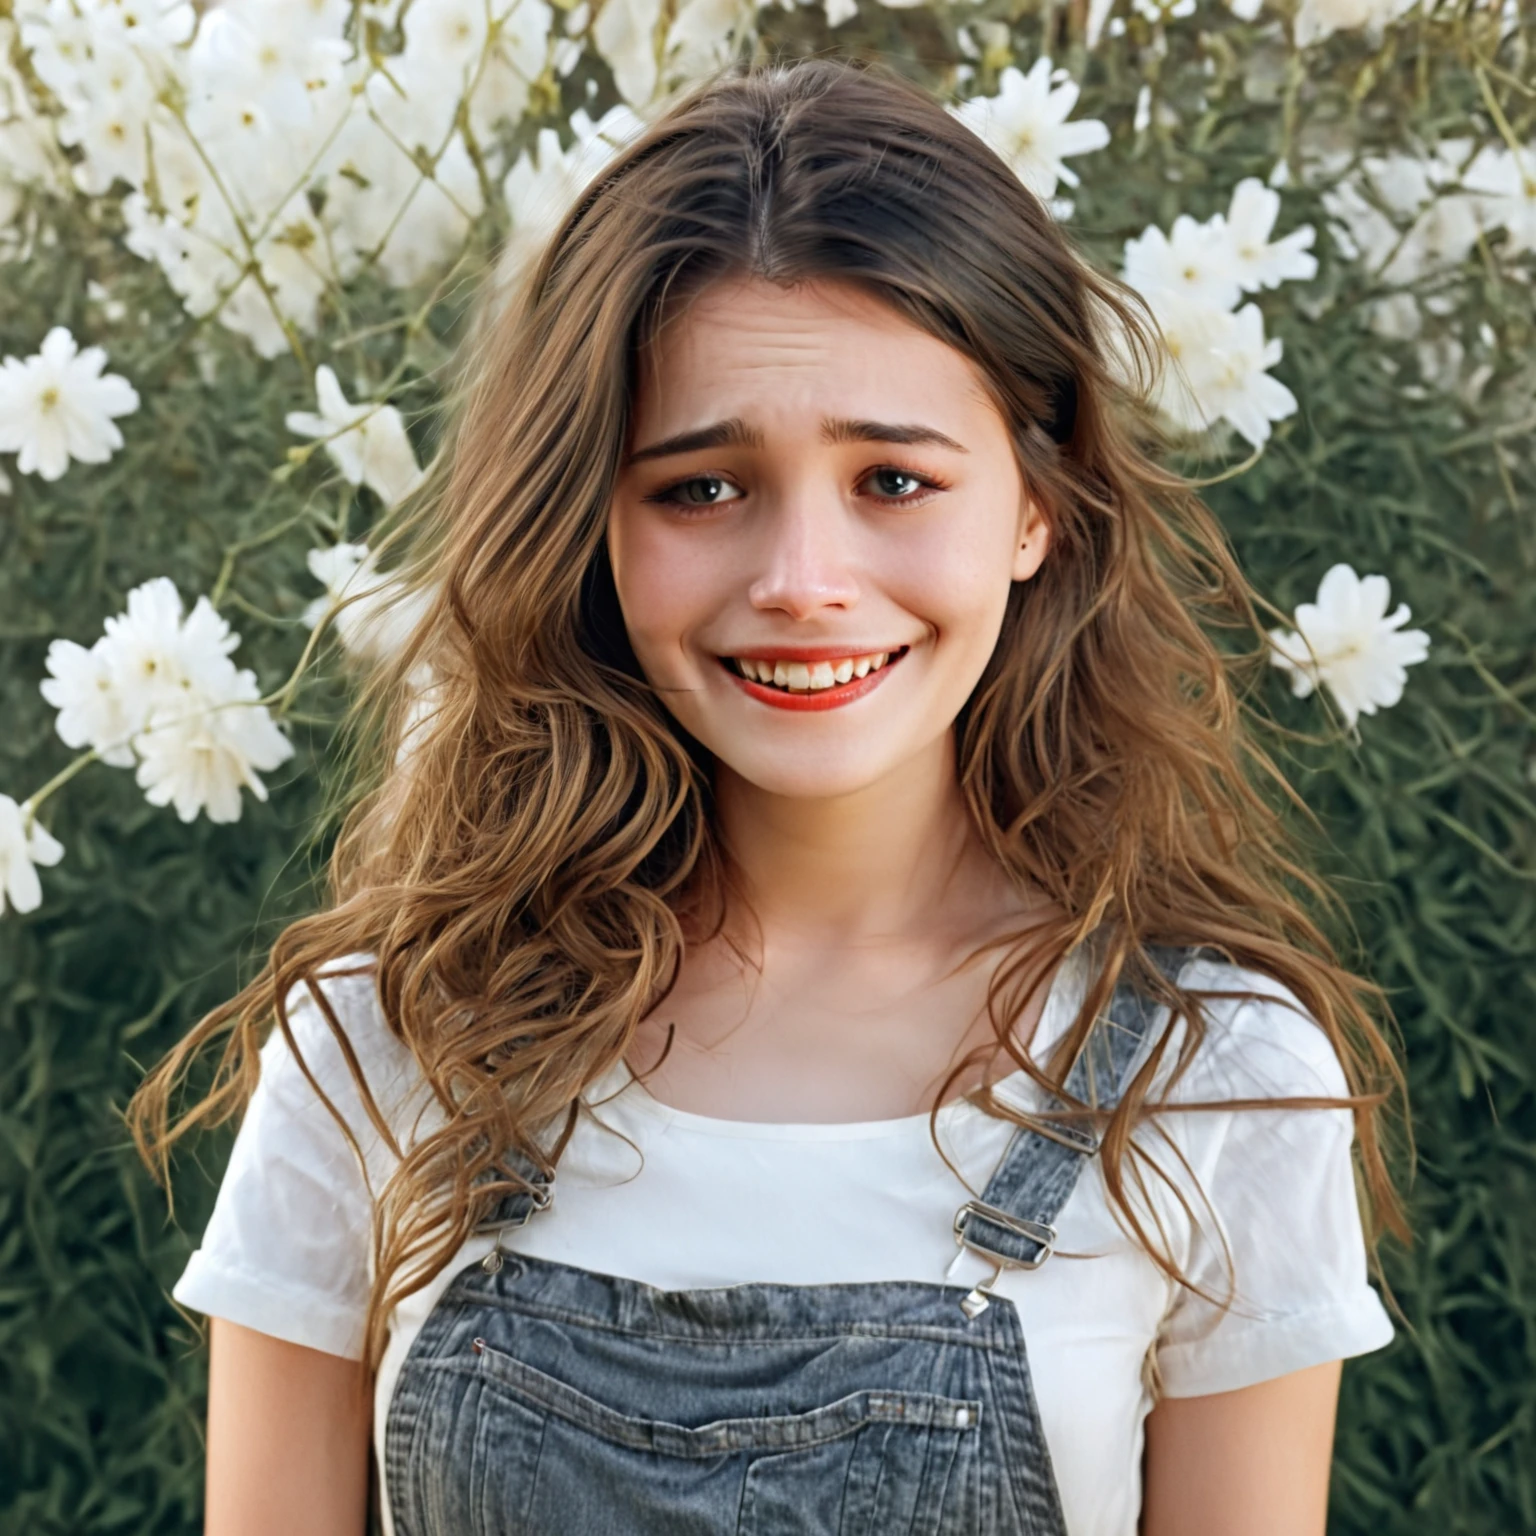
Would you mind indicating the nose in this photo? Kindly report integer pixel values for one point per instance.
(807, 565)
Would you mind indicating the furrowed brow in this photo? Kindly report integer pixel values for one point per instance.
(841, 430)
(733, 432)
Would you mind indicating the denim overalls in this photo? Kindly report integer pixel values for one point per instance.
(549, 1400)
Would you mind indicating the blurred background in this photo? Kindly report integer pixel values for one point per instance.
(238, 248)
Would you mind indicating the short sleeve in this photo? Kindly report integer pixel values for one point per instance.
(286, 1251)
(1279, 1189)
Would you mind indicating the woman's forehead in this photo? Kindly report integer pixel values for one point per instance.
(747, 346)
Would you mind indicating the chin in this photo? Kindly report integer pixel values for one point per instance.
(826, 773)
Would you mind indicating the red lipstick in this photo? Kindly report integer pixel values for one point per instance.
(818, 699)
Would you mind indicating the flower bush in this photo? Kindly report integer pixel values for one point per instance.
(237, 248)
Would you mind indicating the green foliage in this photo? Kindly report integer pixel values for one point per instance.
(1426, 821)
(145, 927)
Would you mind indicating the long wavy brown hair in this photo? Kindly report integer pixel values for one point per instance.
(525, 877)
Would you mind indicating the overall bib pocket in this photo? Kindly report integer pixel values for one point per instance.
(532, 1454)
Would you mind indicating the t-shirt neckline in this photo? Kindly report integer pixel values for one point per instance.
(1062, 1002)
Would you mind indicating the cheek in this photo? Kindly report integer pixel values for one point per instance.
(957, 577)
(665, 586)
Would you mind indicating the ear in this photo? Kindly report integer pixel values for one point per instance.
(1034, 538)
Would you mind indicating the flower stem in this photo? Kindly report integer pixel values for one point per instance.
(58, 781)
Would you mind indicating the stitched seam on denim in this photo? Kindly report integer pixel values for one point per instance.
(728, 1338)
(402, 1429)
(642, 1434)
(1027, 1468)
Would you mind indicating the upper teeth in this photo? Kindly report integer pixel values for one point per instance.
(806, 677)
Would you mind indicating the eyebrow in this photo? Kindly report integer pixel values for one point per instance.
(733, 432)
(840, 430)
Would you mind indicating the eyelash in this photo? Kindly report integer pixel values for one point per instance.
(926, 482)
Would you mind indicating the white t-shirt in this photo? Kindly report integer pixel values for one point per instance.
(699, 1201)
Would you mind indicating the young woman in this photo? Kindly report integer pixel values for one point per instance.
(813, 1033)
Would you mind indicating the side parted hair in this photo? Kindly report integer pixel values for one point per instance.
(527, 871)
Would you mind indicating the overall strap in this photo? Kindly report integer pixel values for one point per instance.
(1012, 1224)
(513, 1208)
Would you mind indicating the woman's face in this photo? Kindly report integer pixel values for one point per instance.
(815, 532)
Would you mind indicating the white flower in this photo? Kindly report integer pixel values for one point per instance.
(1214, 263)
(157, 661)
(1236, 386)
(1141, 119)
(57, 406)
(1259, 262)
(1192, 279)
(1317, 19)
(451, 50)
(28, 154)
(543, 184)
(266, 84)
(24, 844)
(116, 100)
(106, 62)
(1506, 184)
(1219, 369)
(648, 51)
(1367, 205)
(201, 732)
(515, 59)
(424, 698)
(403, 184)
(1348, 641)
(706, 34)
(1396, 316)
(379, 613)
(152, 26)
(625, 35)
(1441, 361)
(1026, 123)
(270, 58)
(298, 261)
(58, 41)
(1388, 192)
(1441, 237)
(367, 443)
(92, 709)
(197, 758)
(159, 689)
(335, 567)
(1196, 263)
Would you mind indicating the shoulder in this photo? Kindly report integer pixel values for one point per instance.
(335, 1020)
(1273, 1251)
(344, 989)
(1259, 1040)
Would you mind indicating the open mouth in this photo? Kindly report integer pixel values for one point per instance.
(821, 683)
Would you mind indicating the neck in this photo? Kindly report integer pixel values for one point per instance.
(877, 865)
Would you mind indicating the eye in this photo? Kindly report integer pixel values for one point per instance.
(892, 484)
(698, 491)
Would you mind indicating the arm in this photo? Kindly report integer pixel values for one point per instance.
(288, 1432)
(1248, 1463)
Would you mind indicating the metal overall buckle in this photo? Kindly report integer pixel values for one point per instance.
(541, 1197)
(1042, 1234)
